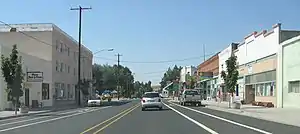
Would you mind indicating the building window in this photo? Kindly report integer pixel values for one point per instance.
(57, 88)
(61, 67)
(61, 47)
(63, 90)
(45, 91)
(265, 89)
(68, 49)
(68, 69)
(69, 90)
(57, 66)
(74, 55)
(294, 86)
(57, 45)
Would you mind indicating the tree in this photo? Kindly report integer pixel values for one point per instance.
(170, 75)
(13, 75)
(191, 81)
(106, 76)
(231, 75)
(97, 76)
(85, 86)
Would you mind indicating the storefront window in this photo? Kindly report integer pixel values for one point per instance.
(265, 89)
(257, 90)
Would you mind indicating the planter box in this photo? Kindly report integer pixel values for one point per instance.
(237, 105)
(24, 109)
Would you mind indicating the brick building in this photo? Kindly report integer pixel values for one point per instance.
(208, 72)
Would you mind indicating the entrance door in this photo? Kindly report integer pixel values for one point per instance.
(250, 94)
(27, 97)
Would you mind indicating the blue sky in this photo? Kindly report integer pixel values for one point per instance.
(156, 30)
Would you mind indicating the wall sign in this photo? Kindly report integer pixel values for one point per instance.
(35, 76)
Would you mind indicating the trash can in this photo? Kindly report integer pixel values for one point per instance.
(237, 102)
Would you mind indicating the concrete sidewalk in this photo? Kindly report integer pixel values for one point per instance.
(11, 114)
(281, 115)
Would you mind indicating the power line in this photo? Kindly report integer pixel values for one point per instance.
(165, 61)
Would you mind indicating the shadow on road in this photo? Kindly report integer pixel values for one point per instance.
(155, 109)
(41, 115)
(115, 103)
(189, 105)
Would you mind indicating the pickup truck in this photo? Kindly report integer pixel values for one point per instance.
(190, 96)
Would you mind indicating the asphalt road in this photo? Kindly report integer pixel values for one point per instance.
(129, 119)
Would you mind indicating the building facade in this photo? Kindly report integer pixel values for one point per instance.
(257, 60)
(223, 56)
(288, 73)
(49, 45)
(208, 72)
(184, 73)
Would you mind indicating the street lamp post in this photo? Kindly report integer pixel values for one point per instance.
(110, 49)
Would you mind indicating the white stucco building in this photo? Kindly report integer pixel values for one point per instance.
(257, 60)
(223, 56)
(187, 70)
(288, 73)
(51, 53)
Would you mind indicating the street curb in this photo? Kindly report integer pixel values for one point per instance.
(242, 111)
(28, 114)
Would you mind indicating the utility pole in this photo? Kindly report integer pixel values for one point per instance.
(80, 9)
(118, 75)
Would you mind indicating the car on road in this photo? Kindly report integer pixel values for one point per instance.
(190, 96)
(151, 100)
(94, 102)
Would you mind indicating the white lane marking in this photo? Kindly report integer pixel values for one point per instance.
(32, 119)
(53, 119)
(192, 120)
(226, 120)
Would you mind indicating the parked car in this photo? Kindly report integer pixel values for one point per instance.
(151, 100)
(190, 96)
(94, 102)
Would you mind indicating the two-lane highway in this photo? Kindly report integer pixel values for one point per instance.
(129, 119)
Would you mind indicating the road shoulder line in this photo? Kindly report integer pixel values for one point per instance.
(223, 119)
(192, 120)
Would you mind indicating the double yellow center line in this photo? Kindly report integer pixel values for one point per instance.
(120, 115)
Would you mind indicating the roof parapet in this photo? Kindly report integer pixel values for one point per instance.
(263, 33)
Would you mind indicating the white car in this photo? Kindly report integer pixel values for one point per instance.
(94, 102)
(151, 100)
